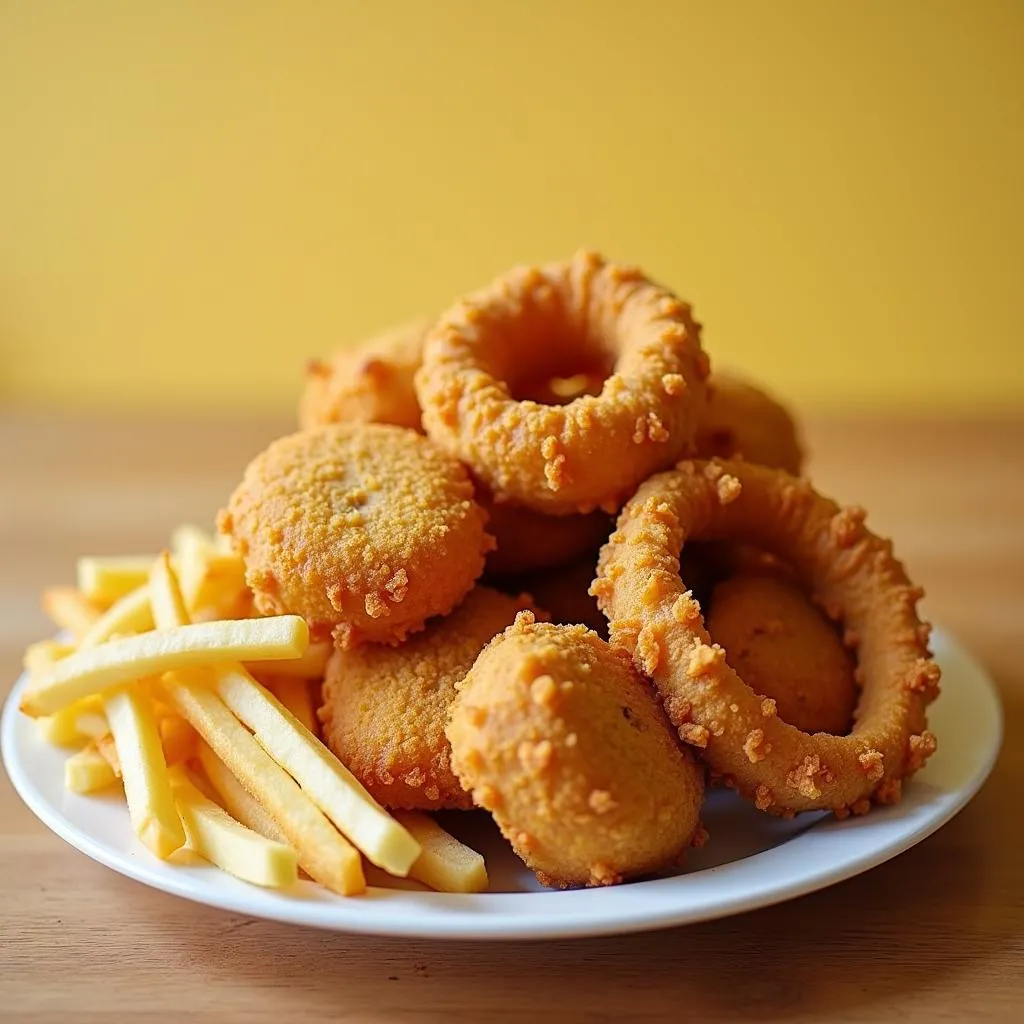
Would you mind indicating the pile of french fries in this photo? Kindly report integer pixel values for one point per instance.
(204, 716)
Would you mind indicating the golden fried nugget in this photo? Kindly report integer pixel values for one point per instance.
(364, 529)
(783, 647)
(561, 740)
(368, 383)
(385, 708)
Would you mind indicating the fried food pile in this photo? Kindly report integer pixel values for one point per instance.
(568, 574)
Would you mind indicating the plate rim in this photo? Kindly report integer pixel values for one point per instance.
(450, 915)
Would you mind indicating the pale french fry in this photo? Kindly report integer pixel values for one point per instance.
(234, 796)
(104, 580)
(136, 657)
(43, 653)
(165, 598)
(127, 615)
(323, 852)
(220, 839)
(65, 728)
(444, 864)
(147, 787)
(68, 609)
(311, 665)
(293, 693)
(104, 743)
(212, 581)
(327, 782)
(178, 739)
(88, 770)
(93, 723)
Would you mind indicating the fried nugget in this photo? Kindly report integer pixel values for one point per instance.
(560, 739)
(740, 419)
(365, 530)
(782, 646)
(370, 383)
(528, 541)
(385, 708)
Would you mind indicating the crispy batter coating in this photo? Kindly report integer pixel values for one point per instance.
(540, 323)
(781, 646)
(850, 572)
(385, 708)
(365, 530)
(740, 419)
(368, 383)
(528, 541)
(560, 739)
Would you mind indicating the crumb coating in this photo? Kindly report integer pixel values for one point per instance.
(365, 530)
(562, 741)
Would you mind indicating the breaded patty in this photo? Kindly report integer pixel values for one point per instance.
(782, 646)
(561, 740)
(365, 530)
(385, 708)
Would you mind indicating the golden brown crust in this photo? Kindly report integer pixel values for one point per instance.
(780, 645)
(365, 530)
(385, 708)
(738, 419)
(564, 593)
(557, 736)
(537, 322)
(852, 574)
(367, 383)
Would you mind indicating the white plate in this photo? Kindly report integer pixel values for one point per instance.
(752, 860)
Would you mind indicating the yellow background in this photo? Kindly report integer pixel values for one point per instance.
(194, 196)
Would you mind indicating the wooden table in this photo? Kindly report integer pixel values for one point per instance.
(936, 935)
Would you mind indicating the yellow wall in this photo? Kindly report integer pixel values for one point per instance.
(195, 196)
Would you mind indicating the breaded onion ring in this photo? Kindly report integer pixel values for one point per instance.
(740, 419)
(368, 383)
(363, 529)
(852, 574)
(385, 708)
(539, 323)
(783, 647)
(556, 734)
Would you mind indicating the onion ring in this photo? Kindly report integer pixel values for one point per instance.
(855, 578)
(538, 323)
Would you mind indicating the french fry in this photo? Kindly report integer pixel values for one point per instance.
(234, 796)
(323, 852)
(147, 787)
(212, 581)
(68, 609)
(104, 580)
(87, 770)
(220, 839)
(311, 665)
(165, 598)
(293, 693)
(65, 727)
(128, 614)
(104, 744)
(121, 661)
(178, 739)
(43, 653)
(444, 864)
(324, 779)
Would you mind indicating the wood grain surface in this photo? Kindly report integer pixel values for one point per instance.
(935, 935)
